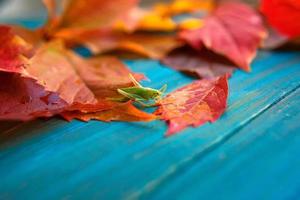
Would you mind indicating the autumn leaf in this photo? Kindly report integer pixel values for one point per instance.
(51, 68)
(78, 80)
(78, 16)
(28, 88)
(14, 51)
(283, 15)
(194, 104)
(139, 19)
(31, 37)
(91, 14)
(122, 112)
(154, 22)
(190, 24)
(24, 99)
(177, 7)
(103, 75)
(274, 40)
(55, 79)
(32, 91)
(233, 30)
(130, 21)
(203, 64)
(147, 45)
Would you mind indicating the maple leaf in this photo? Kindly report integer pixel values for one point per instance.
(104, 75)
(177, 7)
(233, 30)
(148, 45)
(51, 67)
(203, 64)
(139, 19)
(14, 51)
(283, 15)
(31, 37)
(24, 99)
(194, 104)
(81, 15)
(122, 112)
(55, 79)
(45, 76)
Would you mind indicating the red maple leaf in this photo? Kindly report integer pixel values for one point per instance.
(283, 15)
(194, 104)
(14, 51)
(24, 99)
(233, 30)
(55, 79)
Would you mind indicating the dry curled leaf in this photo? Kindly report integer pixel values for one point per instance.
(147, 45)
(24, 99)
(51, 67)
(103, 75)
(274, 40)
(14, 51)
(94, 13)
(203, 64)
(194, 104)
(78, 16)
(43, 82)
(233, 30)
(122, 112)
(55, 79)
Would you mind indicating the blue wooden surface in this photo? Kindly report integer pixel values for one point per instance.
(252, 152)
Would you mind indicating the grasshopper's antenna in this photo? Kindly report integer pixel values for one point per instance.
(134, 81)
(163, 88)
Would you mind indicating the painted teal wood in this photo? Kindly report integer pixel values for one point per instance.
(51, 159)
(260, 162)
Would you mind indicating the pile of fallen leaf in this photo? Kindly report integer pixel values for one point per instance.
(42, 76)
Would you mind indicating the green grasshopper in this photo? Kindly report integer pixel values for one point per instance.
(140, 94)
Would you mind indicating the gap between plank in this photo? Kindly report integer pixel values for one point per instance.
(200, 156)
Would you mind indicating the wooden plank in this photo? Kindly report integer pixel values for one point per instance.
(260, 162)
(55, 159)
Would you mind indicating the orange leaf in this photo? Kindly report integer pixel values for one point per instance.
(94, 13)
(51, 67)
(104, 75)
(149, 45)
(14, 51)
(194, 104)
(233, 30)
(183, 6)
(122, 112)
(40, 81)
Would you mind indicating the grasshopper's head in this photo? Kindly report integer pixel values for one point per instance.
(157, 94)
(152, 93)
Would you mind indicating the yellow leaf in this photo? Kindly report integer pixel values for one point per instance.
(191, 24)
(183, 6)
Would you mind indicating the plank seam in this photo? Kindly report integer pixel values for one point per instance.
(201, 155)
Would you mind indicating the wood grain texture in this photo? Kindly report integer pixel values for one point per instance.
(260, 162)
(54, 159)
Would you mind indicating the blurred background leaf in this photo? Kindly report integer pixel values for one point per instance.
(28, 9)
